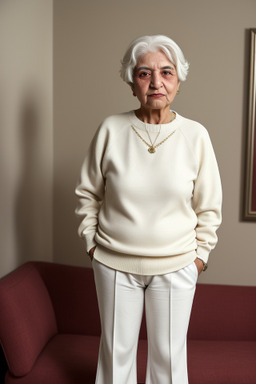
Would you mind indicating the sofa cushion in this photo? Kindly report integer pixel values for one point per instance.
(27, 319)
(221, 362)
(71, 359)
(66, 359)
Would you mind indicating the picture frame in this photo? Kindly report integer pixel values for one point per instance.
(250, 176)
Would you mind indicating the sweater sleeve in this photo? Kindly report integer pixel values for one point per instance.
(90, 190)
(207, 199)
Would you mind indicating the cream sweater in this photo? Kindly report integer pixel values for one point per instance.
(149, 213)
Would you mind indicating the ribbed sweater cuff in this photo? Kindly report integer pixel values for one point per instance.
(89, 241)
(203, 254)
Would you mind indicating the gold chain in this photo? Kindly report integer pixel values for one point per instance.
(158, 133)
(152, 148)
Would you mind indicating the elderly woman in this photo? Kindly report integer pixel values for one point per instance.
(150, 204)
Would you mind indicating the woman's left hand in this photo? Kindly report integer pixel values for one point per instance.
(199, 264)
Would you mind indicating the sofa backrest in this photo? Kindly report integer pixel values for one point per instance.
(222, 312)
(219, 311)
(73, 295)
(27, 319)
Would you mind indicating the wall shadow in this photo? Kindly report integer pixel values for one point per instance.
(27, 200)
(245, 121)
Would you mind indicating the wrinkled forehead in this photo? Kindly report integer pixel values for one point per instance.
(154, 61)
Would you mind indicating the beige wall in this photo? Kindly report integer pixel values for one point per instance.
(26, 138)
(89, 40)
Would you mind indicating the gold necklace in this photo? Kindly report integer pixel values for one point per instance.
(152, 143)
(152, 147)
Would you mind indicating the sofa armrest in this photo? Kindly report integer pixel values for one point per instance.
(27, 319)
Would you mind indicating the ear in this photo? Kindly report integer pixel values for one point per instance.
(178, 89)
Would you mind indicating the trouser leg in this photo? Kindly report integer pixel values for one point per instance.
(168, 303)
(121, 300)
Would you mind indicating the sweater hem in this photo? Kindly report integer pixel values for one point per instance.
(143, 265)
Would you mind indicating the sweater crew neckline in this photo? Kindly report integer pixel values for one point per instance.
(166, 127)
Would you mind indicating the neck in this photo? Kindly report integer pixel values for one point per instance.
(154, 116)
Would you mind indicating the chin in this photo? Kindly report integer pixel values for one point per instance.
(157, 105)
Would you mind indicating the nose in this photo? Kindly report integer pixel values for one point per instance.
(156, 81)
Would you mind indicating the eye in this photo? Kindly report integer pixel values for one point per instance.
(144, 74)
(167, 73)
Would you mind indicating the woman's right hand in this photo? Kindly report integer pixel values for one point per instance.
(91, 252)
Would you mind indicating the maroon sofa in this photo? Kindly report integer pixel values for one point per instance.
(50, 329)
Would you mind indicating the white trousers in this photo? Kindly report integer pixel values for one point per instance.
(168, 301)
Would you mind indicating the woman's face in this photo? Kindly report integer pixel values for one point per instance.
(155, 81)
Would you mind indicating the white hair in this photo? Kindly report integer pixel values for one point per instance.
(144, 44)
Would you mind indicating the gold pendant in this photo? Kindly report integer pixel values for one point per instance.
(151, 150)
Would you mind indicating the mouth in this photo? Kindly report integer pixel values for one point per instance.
(156, 95)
